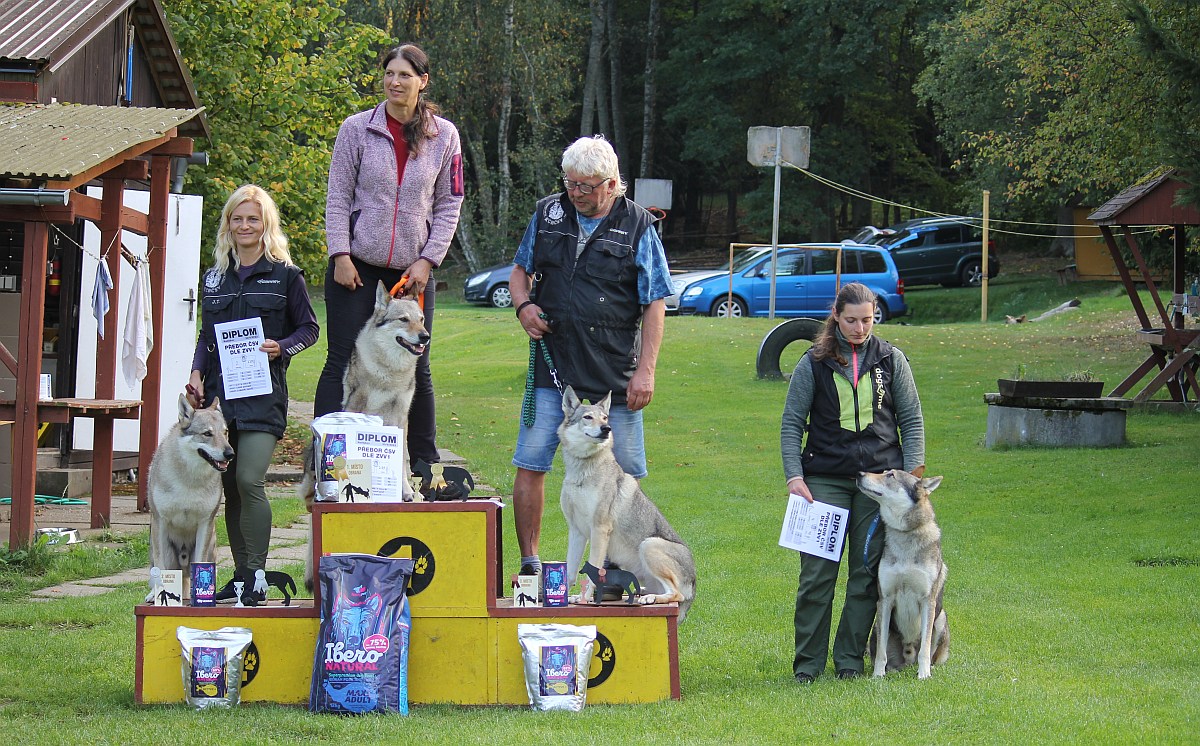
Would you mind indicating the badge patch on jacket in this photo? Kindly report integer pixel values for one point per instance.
(456, 175)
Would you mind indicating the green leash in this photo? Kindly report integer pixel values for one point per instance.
(528, 407)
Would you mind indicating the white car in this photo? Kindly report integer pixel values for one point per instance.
(681, 281)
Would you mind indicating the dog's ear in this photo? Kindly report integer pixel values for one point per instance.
(931, 484)
(919, 471)
(186, 411)
(382, 296)
(605, 403)
(570, 401)
(216, 403)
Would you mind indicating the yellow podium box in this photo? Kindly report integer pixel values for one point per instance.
(463, 646)
(456, 548)
(277, 665)
(635, 659)
(452, 660)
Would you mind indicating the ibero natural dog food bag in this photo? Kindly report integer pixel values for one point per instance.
(361, 660)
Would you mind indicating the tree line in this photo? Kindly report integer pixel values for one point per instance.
(926, 103)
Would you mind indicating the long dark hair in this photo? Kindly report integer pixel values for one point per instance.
(420, 127)
(826, 343)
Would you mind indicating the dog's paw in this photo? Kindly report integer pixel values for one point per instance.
(647, 599)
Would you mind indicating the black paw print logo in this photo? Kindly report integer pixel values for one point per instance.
(421, 565)
(250, 663)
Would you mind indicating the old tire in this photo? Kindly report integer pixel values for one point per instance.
(773, 345)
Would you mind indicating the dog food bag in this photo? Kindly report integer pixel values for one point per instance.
(361, 661)
(555, 585)
(558, 660)
(212, 665)
(204, 583)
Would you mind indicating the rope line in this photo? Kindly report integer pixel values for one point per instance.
(973, 222)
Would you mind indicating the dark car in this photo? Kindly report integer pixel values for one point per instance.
(490, 286)
(947, 251)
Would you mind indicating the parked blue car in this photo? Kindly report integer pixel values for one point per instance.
(805, 284)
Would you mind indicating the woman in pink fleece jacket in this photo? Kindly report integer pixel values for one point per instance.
(395, 191)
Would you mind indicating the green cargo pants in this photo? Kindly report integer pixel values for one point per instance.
(247, 510)
(818, 578)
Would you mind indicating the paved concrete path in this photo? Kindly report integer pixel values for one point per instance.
(288, 546)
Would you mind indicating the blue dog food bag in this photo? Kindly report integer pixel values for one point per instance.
(361, 661)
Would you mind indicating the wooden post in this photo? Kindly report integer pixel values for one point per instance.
(983, 284)
(29, 369)
(156, 251)
(106, 352)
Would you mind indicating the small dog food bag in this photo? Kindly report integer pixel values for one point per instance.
(361, 661)
(558, 660)
(212, 665)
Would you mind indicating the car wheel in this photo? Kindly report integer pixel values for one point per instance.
(500, 297)
(971, 274)
(726, 309)
(881, 311)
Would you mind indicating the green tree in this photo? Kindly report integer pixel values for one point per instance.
(1171, 42)
(1043, 102)
(845, 69)
(277, 77)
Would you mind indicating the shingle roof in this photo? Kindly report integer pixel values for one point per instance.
(43, 31)
(1127, 197)
(57, 141)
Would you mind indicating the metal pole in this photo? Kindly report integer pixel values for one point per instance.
(775, 219)
(987, 196)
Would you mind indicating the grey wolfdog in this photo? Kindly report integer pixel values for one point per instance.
(910, 622)
(184, 488)
(606, 509)
(380, 379)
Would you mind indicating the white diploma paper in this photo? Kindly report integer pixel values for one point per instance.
(245, 368)
(814, 528)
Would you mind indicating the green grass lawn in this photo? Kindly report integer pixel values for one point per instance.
(1072, 592)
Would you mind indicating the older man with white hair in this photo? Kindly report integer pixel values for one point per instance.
(589, 286)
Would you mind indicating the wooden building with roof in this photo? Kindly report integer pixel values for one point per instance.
(92, 92)
(1172, 345)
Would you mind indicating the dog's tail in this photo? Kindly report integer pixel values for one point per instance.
(673, 563)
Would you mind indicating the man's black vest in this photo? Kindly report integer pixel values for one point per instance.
(224, 297)
(853, 428)
(592, 302)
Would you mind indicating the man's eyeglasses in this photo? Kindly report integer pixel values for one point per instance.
(581, 186)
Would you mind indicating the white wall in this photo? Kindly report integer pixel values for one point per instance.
(184, 239)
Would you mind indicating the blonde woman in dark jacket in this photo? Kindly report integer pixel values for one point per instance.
(395, 192)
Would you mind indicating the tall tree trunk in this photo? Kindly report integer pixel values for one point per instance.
(650, 92)
(477, 159)
(594, 80)
(505, 173)
(614, 82)
(466, 241)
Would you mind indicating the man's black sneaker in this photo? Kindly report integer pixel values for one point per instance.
(848, 673)
(805, 678)
(528, 569)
